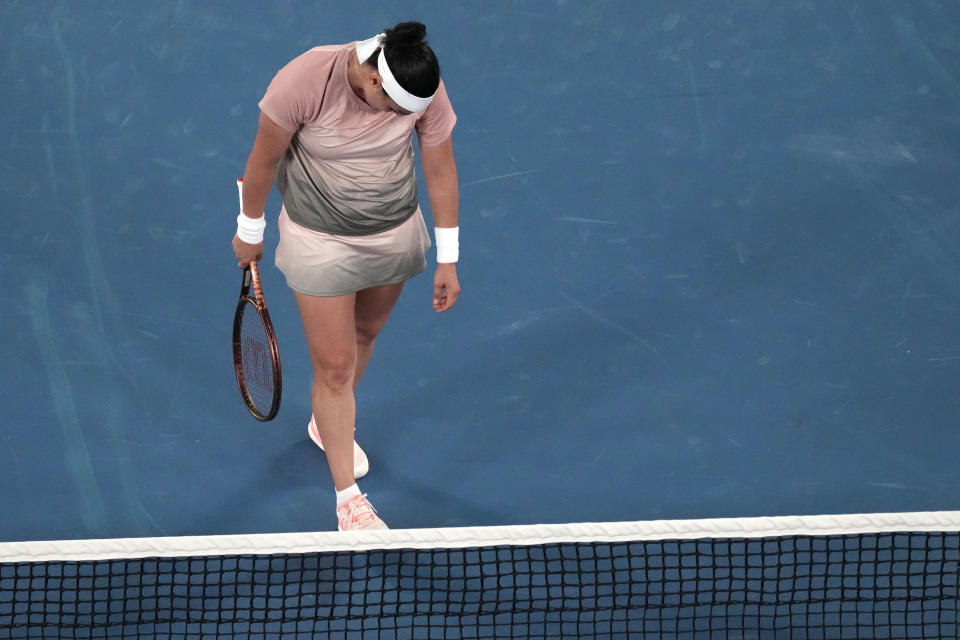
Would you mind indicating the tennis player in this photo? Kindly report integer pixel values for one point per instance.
(335, 130)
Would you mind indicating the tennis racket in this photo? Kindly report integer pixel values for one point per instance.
(256, 356)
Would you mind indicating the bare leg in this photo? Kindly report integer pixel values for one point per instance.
(330, 328)
(373, 308)
(340, 335)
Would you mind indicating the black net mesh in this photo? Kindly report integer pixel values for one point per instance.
(878, 585)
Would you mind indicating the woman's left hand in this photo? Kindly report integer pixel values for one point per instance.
(446, 287)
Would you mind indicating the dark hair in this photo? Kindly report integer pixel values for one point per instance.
(411, 59)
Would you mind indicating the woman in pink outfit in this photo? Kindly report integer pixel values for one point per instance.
(335, 130)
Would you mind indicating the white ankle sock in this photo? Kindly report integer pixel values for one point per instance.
(347, 494)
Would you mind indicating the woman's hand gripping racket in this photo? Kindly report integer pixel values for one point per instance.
(256, 356)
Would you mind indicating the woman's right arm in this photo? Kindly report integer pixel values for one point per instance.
(268, 148)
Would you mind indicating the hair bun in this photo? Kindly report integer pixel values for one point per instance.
(406, 34)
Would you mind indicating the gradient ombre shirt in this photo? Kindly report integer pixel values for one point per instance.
(349, 169)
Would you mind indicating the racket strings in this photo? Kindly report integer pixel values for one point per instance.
(256, 359)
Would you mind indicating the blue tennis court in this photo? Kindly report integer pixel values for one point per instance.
(710, 268)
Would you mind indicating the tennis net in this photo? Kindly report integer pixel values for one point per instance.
(856, 576)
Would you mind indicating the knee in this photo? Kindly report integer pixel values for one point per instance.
(366, 334)
(335, 373)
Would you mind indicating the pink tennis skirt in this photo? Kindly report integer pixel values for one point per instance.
(321, 264)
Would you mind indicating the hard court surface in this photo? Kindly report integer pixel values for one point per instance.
(710, 268)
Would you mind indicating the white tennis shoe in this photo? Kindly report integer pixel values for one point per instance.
(360, 463)
(358, 514)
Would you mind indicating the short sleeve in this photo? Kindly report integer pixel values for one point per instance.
(436, 122)
(295, 94)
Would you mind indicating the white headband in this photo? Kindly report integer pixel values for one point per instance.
(401, 96)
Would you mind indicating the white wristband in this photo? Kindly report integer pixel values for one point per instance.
(250, 230)
(448, 244)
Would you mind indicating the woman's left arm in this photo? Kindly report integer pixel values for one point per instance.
(440, 174)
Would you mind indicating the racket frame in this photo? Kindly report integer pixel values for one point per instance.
(251, 278)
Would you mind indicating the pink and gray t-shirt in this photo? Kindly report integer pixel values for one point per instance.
(349, 169)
